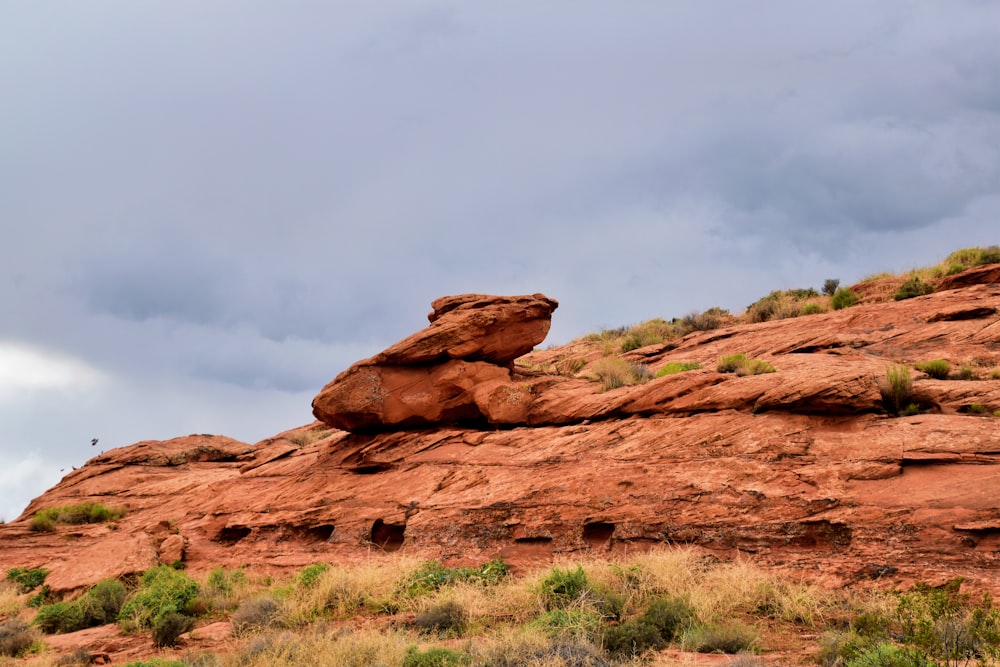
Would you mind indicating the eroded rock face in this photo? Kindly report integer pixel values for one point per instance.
(449, 372)
(800, 468)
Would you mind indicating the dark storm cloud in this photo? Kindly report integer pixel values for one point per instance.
(219, 206)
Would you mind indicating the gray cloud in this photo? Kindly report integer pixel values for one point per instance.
(219, 206)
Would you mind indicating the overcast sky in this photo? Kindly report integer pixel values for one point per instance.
(211, 208)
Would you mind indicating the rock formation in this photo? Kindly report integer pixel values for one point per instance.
(452, 445)
(457, 370)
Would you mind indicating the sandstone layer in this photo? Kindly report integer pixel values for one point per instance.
(802, 467)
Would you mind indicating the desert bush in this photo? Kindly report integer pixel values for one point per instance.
(895, 388)
(169, 625)
(830, 286)
(778, 305)
(310, 574)
(59, 617)
(446, 618)
(537, 649)
(102, 603)
(614, 373)
(936, 368)
(711, 638)
(913, 287)
(674, 367)
(885, 654)
(16, 637)
(570, 367)
(254, 615)
(161, 589)
(948, 625)
(812, 308)
(966, 373)
(45, 520)
(650, 332)
(432, 575)
(10, 600)
(437, 656)
(843, 298)
(670, 616)
(157, 662)
(739, 364)
(730, 363)
(705, 321)
(966, 258)
(27, 579)
(632, 638)
(755, 367)
(577, 622)
(561, 588)
(341, 648)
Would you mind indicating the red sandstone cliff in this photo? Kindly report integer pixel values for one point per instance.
(455, 452)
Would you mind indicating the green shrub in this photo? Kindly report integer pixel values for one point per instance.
(948, 625)
(432, 575)
(674, 367)
(670, 616)
(885, 654)
(913, 287)
(648, 333)
(437, 656)
(224, 583)
(446, 618)
(739, 364)
(563, 587)
(830, 286)
(966, 373)
(168, 625)
(156, 662)
(936, 368)
(632, 638)
(975, 409)
(569, 623)
(730, 363)
(41, 598)
(729, 638)
(255, 615)
(812, 308)
(843, 298)
(16, 638)
(101, 604)
(161, 589)
(59, 617)
(42, 524)
(27, 579)
(310, 574)
(895, 388)
(45, 520)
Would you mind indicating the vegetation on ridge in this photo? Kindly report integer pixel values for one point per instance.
(402, 611)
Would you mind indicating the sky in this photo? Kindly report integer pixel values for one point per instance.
(209, 209)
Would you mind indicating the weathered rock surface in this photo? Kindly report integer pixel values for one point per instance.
(800, 467)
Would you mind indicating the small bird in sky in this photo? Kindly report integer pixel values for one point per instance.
(93, 442)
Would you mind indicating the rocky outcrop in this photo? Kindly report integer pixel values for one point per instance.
(457, 370)
(801, 467)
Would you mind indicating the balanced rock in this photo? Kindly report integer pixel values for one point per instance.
(449, 372)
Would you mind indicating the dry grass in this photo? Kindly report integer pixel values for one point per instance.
(11, 603)
(614, 373)
(348, 648)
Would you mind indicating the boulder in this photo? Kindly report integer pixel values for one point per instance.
(452, 371)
